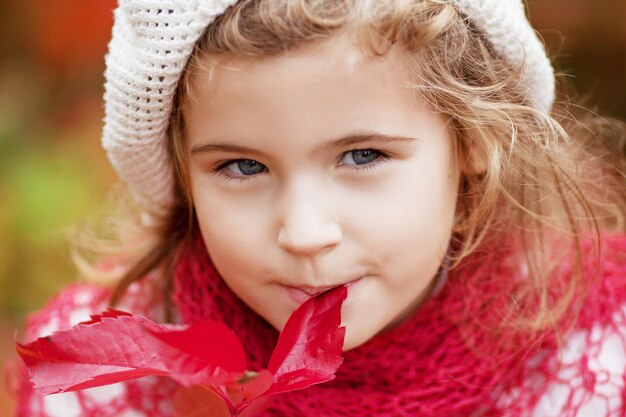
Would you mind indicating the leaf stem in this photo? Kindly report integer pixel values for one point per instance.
(220, 391)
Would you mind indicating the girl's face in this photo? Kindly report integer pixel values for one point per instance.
(319, 168)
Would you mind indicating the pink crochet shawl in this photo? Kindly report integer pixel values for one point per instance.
(453, 357)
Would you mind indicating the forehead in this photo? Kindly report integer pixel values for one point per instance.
(338, 59)
(323, 90)
(336, 55)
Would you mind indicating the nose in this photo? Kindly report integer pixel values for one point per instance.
(307, 228)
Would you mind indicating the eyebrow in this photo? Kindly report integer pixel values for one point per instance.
(346, 141)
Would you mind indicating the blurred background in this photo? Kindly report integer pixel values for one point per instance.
(53, 172)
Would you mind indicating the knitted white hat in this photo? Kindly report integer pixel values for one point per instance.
(153, 39)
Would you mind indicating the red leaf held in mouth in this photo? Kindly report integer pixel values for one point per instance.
(116, 346)
(309, 347)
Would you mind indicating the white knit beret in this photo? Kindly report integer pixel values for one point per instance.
(152, 41)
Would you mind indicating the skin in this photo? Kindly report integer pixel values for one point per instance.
(310, 213)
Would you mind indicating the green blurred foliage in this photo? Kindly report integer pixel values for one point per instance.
(45, 190)
(52, 170)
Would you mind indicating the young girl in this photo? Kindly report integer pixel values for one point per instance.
(409, 149)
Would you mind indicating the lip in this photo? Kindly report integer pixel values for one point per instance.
(300, 294)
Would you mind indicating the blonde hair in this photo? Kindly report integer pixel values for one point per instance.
(547, 178)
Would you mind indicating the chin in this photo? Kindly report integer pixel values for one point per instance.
(352, 344)
(356, 337)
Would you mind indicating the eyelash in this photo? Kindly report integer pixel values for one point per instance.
(369, 167)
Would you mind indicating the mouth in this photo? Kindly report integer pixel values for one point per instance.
(302, 293)
(313, 291)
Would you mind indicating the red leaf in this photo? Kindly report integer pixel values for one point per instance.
(109, 348)
(310, 345)
(206, 352)
(108, 313)
(117, 346)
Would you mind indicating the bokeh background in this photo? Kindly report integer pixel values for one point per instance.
(53, 172)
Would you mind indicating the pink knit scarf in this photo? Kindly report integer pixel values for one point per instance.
(453, 357)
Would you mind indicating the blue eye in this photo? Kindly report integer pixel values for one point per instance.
(246, 167)
(360, 157)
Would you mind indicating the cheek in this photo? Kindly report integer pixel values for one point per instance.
(414, 209)
(231, 230)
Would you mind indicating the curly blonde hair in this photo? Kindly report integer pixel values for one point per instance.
(546, 178)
